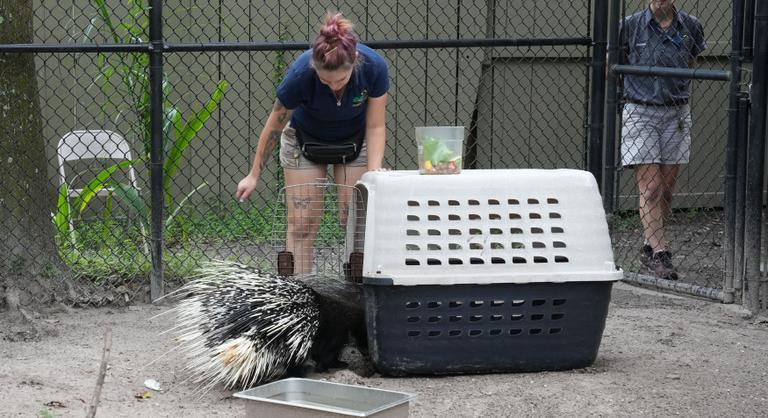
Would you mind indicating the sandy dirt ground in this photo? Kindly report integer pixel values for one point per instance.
(661, 355)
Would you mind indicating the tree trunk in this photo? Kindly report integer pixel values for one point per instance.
(30, 268)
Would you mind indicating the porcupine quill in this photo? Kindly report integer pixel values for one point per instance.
(241, 327)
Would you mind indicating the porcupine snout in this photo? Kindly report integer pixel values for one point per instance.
(341, 318)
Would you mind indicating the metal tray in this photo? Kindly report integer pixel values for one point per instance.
(295, 397)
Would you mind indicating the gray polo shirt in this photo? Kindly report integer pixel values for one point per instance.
(643, 42)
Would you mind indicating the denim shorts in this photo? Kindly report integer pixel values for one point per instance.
(655, 134)
(292, 158)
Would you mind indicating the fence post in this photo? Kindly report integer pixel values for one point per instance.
(597, 94)
(749, 28)
(756, 161)
(156, 152)
(730, 148)
(741, 187)
(611, 108)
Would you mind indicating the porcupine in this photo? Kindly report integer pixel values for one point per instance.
(242, 327)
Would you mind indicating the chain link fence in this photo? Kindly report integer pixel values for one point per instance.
(683, 124)
(515, 74)
(672, 220)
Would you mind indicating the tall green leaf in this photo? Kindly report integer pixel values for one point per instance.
(130, 196)
(96, 184)
(169, 220)
(104, 13)
(63, 215)
(186, 133)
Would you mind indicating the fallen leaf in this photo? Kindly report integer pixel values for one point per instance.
(55, 404)
(143, 395)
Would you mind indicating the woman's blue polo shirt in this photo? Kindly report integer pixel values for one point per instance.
(314, 104)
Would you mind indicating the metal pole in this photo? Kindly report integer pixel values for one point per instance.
(70, 48)
(156, 152)
(384, 44)
(293, 45)
(611, 107)
(730, 148)
(741, 185)
(673, 72)
(679, 287)
(756, 161)
(749, 28)
(597, 95)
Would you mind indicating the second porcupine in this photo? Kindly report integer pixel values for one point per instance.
(242, 327)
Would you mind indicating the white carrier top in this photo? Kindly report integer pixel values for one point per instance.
(484, 226)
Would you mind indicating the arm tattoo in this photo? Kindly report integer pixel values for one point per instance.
(301, 202)
(272, 140)
(280, 111)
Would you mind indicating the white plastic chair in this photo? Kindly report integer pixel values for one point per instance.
(93, 144)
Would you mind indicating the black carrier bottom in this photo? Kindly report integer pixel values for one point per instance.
(485, 328)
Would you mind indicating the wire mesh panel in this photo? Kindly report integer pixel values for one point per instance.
(311, 223)
(673, 135)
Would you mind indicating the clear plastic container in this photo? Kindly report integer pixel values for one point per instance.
(440, 149)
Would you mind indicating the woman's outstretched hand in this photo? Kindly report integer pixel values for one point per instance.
(246, 186)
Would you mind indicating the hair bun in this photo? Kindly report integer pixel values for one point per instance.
(335, 26)
(335, 44)
(330, 31)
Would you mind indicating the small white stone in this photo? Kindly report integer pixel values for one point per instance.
(152, 384)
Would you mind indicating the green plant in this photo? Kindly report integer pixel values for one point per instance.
(44, 412)
(120, 260)
(626, 221)
(241, 232)
(67, 213)
(178, 133)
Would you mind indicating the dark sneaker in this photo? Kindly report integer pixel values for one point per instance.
(661, 265)
(646, 253)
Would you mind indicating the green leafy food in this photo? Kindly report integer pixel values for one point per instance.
(439, 158)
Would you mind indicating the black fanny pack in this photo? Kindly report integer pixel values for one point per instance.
(330, 152)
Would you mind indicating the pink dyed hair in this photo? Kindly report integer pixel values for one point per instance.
(335, 46)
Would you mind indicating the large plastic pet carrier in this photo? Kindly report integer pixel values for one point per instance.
(483, 271)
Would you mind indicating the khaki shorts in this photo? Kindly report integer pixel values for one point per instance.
(655, 135)
(292, 158)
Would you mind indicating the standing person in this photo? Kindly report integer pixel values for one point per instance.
(656, 131)
(330, 110)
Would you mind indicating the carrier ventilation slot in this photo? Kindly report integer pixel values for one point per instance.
(427, 220)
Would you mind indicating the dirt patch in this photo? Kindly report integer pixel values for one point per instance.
(661, 355)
